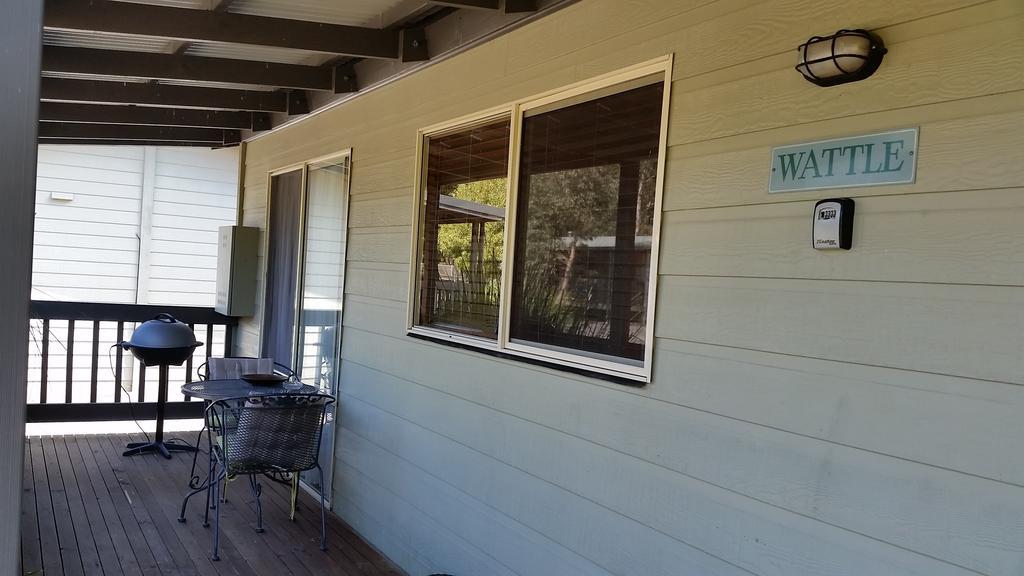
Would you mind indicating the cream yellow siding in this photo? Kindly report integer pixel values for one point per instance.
(810, 413)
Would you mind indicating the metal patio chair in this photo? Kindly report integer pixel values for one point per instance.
(229, 368)
(233, 367)
(274, 434)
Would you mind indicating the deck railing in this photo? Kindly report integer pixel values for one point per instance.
(80, 334)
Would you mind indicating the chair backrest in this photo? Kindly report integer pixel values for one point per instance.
(275, 433)
(233, 367)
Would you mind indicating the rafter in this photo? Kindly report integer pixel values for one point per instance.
(75, 131)
(111, 142)
(150, 116)
(481, 4)
(76, 90)
(510, 6)
(174, 67)
(219, 26)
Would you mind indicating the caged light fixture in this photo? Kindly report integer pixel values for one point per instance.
(846, 56)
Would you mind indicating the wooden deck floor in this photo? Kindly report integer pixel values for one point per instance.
(86, 510)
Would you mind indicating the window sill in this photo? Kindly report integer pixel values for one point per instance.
(490, 348)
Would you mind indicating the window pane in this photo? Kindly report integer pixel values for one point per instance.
(323, 275)
(323, 293)
(463, 223)
(585, 219)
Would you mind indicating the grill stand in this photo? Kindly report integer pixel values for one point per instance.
(158, 445)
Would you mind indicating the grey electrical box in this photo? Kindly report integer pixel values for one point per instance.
(236, 270)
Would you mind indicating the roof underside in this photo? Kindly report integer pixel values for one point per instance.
(133, 71)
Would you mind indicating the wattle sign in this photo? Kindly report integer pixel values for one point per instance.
(871, 160)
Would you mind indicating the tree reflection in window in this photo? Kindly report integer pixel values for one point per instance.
(585, 216)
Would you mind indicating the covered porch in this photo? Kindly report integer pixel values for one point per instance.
(660, 366)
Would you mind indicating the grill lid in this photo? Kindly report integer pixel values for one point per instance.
(162, 341)
(163, 332)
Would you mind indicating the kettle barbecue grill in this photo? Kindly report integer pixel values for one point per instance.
(163, 342)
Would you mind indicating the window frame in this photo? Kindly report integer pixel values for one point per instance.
(516, 111)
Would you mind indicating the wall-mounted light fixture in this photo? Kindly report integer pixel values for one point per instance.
(846, 56)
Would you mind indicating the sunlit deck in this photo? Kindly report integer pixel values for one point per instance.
(87, 510)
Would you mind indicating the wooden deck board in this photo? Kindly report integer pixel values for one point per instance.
(293, 548)
(133, 562)
(96, 555)
(31, 554)
(88, 510)
(97, 523)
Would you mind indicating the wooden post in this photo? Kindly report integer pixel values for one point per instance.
(20, 43)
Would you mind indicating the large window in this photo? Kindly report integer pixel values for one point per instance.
(578, 208)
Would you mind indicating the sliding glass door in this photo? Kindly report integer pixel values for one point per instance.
(307, 230)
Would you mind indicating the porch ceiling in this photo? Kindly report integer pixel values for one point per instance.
(113, 66)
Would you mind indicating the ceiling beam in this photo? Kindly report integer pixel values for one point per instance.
(75, 90)
(510, 6)
(103, 142)
(175, 67)
(150, 116)
(219, 26)
(76, 131)
(220, 6)
(481, 4)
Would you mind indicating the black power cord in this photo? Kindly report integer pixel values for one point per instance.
(131, 407)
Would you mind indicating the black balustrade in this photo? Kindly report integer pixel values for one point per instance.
(43, 314)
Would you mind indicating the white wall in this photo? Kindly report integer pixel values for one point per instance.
(141, 227)
(87, 248)
(886, 442)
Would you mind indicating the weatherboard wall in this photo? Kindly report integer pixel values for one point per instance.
(131, 224)
(811, 413)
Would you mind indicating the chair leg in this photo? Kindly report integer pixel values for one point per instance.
(211, 479)
(294, 495)
(323, 511)
(216, 518)
(184, 503)
(193, 482)
(193, 479)
(257, 490)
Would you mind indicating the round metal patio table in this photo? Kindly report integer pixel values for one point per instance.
(214, 390)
